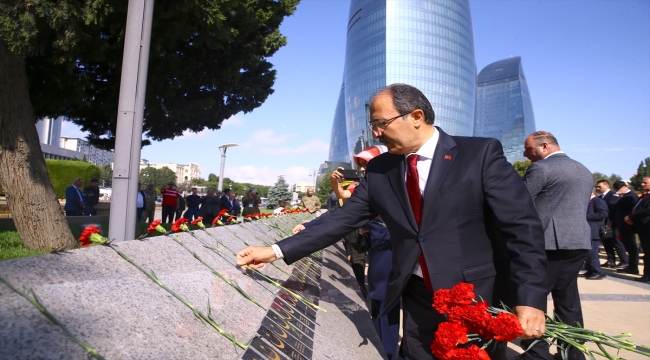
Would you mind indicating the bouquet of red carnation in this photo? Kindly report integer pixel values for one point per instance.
(180, 225)
(155, 226)
(198, 222)
(90, 235)
(470, 320)
(248, 217)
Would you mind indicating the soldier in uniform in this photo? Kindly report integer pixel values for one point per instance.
(250, 202)
(310, 201)
(149, 203)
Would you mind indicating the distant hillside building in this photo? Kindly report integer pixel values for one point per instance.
(503, 106)
(301, 186)
(93, 155)
(184, 172)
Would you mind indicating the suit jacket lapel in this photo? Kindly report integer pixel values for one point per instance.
(443, 157)
(398, 184)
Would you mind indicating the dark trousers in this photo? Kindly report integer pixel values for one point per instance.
(168, 213)
(629, 241)
(387, 326)
(613, 247)
(562, 269)
(421, 320)
(74, 213)
(593, 262)
(645, 244)
(90, 210)
(191, 213)
(179, 214)
(139, 212)
(208, 219)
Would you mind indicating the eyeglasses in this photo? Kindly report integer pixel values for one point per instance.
(381, 124)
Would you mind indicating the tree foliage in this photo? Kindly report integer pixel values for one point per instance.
(208, 60)
(521, 166)
(279, 191)
(611, 178)
(106, 175)
(324, 188)
(641, 172)
(160, 177)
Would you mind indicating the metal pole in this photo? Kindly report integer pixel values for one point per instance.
(128, 137)
(223, 165)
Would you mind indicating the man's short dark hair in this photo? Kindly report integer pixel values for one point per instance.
(603, 181)
(544, 137)
(94, 180)
(225, 191)
(194, 189)
(407, 98)
(619, 184)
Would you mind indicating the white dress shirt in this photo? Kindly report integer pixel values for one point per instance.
(554, 153)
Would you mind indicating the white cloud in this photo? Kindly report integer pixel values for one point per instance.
(233, 121)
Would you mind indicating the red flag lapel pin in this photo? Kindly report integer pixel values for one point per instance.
(447, 157)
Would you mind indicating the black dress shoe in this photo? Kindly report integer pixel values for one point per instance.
(585, 274)
(645, 279)
(620, 266)
(607, 265)
(596, 277)
(627, 270)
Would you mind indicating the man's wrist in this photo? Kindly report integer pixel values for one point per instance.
(278, 252)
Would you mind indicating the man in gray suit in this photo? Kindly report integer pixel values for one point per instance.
(561, 189)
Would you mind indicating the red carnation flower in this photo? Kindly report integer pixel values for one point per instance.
(475, 318)
(216, 222)
(471, 353)
(230, 218)
(446, 339)
(177, 225)
(223, 212)
(152, 227)
(86, 234)
(197, 220)
(504, 327)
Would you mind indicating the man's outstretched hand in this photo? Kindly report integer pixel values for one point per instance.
(532, 321)
(255, 256)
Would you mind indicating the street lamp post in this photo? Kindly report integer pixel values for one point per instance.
(223, 149)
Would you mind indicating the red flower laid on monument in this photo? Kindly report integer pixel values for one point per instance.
(223, 212)
(155, 226)
(217, 221)
(91, 235)
(180, 225)
(305, 210)
(198, 222)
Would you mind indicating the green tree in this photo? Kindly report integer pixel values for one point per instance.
(160, 177)
(212, 177)
(521, 166)
(279, 191)
(106, 175)
(599, 176)
(324, 188)
(641, 172)
(64, 57)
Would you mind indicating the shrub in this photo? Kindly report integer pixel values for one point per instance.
(63, 172)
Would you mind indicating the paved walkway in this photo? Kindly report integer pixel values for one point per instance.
(615, 305)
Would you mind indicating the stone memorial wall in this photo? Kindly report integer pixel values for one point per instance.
(180, 296)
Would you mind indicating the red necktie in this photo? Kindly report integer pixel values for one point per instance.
(415, 197)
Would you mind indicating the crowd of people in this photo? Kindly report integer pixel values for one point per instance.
(438, 210)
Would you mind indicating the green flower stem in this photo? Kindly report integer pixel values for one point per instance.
(215, 272)
(198, 313)
(90, 352)
(276, 284)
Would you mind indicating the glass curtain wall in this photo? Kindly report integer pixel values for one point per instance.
(430, 45)
(339, 139)
(504, 107)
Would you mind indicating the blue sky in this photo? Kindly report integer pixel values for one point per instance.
(587, 63)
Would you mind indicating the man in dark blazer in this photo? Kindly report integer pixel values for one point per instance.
(624, 205)
(475, 221)
(226, 200)
(74, 200)
(640, 219)
(561, 189)
(596, 217)
(612, 245)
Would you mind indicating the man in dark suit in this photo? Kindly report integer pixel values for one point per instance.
(226, 200)
(596, 217)
(640, 219)
(612, 245)
(209, 207)
(458, 212)
(560, 188)
(624, 205)
(74, 200)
